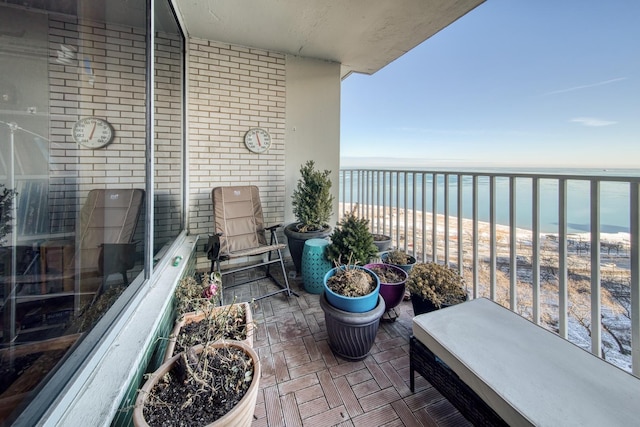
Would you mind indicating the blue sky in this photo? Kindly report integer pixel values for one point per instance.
(512, 83)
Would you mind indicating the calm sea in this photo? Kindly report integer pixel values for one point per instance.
(614, 195)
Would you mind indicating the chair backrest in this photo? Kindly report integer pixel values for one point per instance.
(237, 214)
(107, 216)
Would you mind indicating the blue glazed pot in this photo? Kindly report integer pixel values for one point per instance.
(352, 304)
(407, 268)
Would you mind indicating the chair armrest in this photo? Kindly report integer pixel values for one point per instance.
(213, 246)
(273, 227)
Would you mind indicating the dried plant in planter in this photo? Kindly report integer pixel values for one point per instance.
(437, 283)
(207, 322)
(228, 322)
(397, 257)
(351, 282)
(202, 386)
(387, 275)
(192, 296)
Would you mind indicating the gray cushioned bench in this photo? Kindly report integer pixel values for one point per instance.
(499, 368)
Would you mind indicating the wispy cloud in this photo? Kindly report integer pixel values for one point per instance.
(571, 89)
(592, 122)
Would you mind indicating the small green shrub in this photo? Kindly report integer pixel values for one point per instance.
(351, 242)
(312, 199)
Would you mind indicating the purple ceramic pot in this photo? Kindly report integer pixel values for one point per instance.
(392, 293)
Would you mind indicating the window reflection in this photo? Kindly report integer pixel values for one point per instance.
(72, 204)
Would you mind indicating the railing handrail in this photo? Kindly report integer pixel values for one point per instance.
(505, 174)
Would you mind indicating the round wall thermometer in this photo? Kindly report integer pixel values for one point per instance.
(92, 132)
(257, 140)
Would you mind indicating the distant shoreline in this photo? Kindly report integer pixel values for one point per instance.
(453, 166)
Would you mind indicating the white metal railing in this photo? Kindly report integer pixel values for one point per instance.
(555, 248)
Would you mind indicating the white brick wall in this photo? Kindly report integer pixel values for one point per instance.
(232, 89)
(113, 89)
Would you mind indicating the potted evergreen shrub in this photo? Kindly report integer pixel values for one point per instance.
(351, 301)
(351, 242)
(434, 286)
(312, 203)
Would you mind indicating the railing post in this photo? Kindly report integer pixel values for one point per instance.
(398, 210)
(413, 214)
(596, 339)
(424, 217)
(446, 219)
(475, 262)
(513, 241)
(634, 208)
(434, 218)
(535, 249)
(563, 297)
(492, 237)
(460, 237)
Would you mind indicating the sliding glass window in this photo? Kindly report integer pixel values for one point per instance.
(73, 173)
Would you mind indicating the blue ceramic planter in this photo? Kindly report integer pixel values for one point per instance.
(352, 304)
(406, 268)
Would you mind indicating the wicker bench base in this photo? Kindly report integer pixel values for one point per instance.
(470, 405)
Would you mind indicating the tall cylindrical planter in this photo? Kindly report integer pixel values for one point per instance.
(314, 265)
(351, 335)
(295, 242)
(241, 415)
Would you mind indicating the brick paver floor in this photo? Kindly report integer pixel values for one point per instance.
(304, 384)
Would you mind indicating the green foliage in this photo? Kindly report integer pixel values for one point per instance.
(436, 283)
(351, 242)
(312, 199)
(6, 204)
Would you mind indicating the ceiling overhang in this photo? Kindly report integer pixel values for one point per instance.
(362, 35)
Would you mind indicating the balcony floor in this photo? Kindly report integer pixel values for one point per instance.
(304, 384)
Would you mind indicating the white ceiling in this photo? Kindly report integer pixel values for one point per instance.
(362, 35)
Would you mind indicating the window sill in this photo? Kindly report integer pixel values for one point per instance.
(93, 395)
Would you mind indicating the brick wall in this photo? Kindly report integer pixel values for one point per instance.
(232, 89)
(104, 77)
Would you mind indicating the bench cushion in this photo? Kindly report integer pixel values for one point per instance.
(527, 374)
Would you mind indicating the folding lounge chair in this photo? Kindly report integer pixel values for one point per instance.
(103, 245)
(240, 233)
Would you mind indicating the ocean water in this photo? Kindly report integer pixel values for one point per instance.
(614, 194)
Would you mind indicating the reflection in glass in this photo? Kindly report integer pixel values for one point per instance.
(72, 232)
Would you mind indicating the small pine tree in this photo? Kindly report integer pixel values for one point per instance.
(351, 242)
(312, 199)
